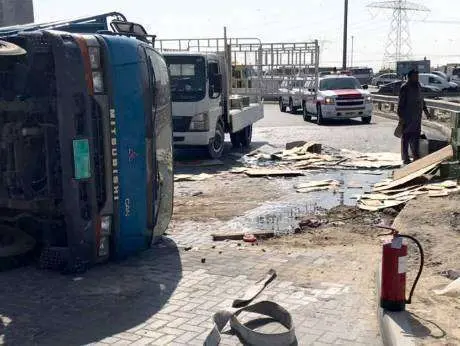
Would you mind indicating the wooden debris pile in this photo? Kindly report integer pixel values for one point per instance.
(409, 182)
(308, 155)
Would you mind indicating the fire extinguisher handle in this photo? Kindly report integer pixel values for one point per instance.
(422, 262)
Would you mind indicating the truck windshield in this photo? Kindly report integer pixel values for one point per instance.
(339, 83)
(188, 78)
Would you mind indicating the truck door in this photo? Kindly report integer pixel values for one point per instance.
(161, 145)
(215, 107)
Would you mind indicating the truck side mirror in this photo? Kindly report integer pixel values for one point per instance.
(216, 81)
(365, 87)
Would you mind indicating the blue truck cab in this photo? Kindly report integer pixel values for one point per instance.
(86, 163)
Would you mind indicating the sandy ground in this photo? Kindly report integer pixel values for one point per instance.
(436, 224)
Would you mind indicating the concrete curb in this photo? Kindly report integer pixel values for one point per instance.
(395, 327)
(444, 129)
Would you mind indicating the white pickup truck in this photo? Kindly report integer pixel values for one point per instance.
(336, 97)
(204, 107)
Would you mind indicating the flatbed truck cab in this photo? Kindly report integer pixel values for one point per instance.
(205, 103)
(85, 141)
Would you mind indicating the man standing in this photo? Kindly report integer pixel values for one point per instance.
(410, 107)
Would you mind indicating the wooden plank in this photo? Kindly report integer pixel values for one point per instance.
(272, 172)
(434, 158)
(239, 236)
(406, 179)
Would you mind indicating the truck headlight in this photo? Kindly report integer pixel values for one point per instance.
(368, 99)
(329, 100)
(200, 122)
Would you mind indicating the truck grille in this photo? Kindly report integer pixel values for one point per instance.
(181, 124)
(98, 157)
(350, 103)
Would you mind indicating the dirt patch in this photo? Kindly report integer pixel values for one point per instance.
(222, 197)
(342, 225)
(435, 223)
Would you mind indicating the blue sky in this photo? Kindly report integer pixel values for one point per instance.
(294, 20)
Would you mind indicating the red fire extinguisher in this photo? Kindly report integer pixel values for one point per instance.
(394, 267)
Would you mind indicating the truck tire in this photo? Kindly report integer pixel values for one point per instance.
(282, 105)
(319, 115)
(292, 109)
(246, 136)
(216, 144)
(366, 120)
(16, 248)
(242, 138)
(306, 116)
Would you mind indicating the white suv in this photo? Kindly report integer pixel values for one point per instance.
(338, 97)
(291, 94)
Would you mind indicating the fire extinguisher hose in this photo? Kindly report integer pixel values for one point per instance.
(422, 262)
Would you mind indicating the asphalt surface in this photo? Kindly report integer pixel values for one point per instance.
(276, 128)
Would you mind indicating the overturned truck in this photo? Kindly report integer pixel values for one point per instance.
(85, 143)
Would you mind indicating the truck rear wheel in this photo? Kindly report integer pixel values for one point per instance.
(242, 138)
(306, 116)
(282, 105)
(216, 144)
(319, 115)
(16, 247)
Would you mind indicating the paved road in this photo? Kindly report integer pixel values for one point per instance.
(348, 134)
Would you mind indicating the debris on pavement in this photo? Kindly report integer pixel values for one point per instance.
(383, 199)
(240, 236)
(451, 274)
(433, 159)
(192, 177)
(199, 163)
(249, 238)
(311, 223)
(451, 290)
(302, 147)
(319, 185)
(263, 172)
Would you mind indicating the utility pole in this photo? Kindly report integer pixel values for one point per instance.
(345, 29)
(352, 46)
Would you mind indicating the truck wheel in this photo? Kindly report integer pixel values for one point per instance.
(319, 115)
(366, 120)
(282, 106)
(306, 116)
(216, 144)
(16, 247)
(246, 136)
(242, 138)
(292, 109)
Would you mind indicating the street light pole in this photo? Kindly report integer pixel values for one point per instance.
(352, 46)
(345, 29)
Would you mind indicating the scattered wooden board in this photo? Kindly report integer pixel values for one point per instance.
(406, 179)
(239, 236)
(254, 173)
(192, 177)
(427, 161)
(318, 183)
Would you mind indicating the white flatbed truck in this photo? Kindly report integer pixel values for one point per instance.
(204, 104)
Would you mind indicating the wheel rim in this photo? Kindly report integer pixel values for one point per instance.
(217, 143)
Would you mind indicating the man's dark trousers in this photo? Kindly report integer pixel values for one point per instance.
(411, 139)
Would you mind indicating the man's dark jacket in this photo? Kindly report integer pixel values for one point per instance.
(410, 107)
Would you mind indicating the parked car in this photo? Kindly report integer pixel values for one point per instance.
(442, 75)
(338, 97)
(384, 79)
(290, 91)
(434, 80)
(394, 88)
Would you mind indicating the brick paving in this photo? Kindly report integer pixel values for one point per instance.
(167, 296)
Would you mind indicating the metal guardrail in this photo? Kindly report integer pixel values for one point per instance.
(432, 105)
